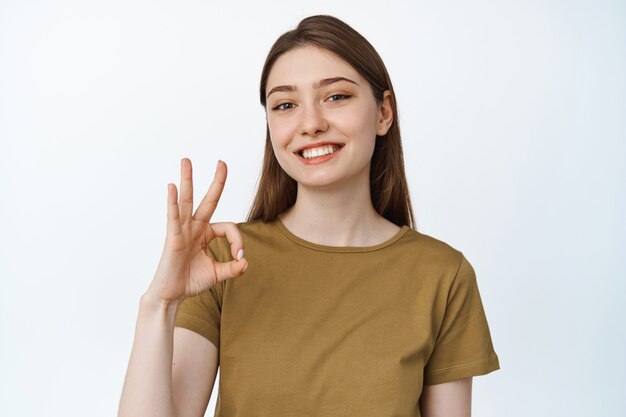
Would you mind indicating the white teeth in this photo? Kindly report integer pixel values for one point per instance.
(322, 150)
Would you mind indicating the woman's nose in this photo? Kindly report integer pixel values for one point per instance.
(313, 121)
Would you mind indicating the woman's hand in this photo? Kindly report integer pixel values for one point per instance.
(186, 268)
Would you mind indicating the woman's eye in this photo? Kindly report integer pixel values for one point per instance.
(280, 106)
(341, 96)
(288, 106)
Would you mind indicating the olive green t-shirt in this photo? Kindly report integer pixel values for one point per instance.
(315, 330)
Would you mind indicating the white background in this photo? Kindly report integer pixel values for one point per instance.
(513, 123)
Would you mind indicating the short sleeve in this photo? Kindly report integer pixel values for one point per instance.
(463, 346)
(201, 313)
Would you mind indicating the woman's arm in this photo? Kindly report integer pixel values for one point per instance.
(193, 372)
(155, 385)
(450, 399)
(147, 388)
(171, 370)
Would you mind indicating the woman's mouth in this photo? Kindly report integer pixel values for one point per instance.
(319, 154)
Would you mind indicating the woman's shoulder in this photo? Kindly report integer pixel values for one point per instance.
(434, 248)
(256, 228)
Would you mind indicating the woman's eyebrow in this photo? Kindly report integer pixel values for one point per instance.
(316, 85)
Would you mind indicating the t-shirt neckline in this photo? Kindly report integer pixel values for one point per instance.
(326, 248)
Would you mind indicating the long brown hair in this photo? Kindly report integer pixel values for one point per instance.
(277, 191)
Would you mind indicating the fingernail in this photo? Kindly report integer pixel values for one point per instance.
(217, 166)
(240, 255)
(244, 268)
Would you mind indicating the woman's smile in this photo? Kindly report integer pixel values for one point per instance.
(318, 155)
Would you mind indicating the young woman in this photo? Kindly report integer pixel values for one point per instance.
(344, 308)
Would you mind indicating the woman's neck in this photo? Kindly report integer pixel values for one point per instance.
(337, 219)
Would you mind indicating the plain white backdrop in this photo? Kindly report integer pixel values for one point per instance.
(514, 133)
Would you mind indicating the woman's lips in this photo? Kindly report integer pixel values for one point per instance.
(318, 159)
(319, 144)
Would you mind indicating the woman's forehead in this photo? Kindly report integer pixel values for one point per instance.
(307, 65)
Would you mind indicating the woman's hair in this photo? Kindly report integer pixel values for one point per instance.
(388, 187)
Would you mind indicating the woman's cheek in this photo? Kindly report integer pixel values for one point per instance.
(281, 133)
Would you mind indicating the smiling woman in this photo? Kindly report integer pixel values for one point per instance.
(344, 309)
(329, 103)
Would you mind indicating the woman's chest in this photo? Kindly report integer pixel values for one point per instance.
(336, 337)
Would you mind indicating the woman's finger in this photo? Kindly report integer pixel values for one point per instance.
(226, 270)
(233, 268)
(173, 218)
(207, 206)
(230, 230)
(186, 191)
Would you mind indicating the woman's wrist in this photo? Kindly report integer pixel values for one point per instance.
(152, 302)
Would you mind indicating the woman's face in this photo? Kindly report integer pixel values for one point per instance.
(314, 97)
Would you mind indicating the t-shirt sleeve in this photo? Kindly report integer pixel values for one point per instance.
(201, 313)
(463, 346)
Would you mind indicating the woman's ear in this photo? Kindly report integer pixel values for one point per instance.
(385, 115)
